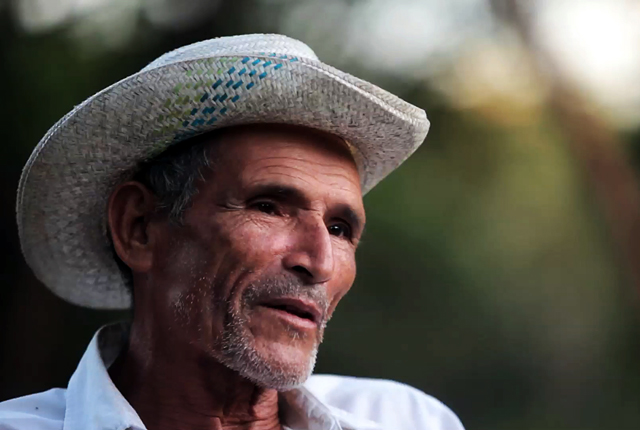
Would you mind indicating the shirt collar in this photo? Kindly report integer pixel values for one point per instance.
(93, 401)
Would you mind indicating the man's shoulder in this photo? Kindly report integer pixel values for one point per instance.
(40, 411)
(389, 404)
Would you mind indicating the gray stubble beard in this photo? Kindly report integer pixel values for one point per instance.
(237, 351)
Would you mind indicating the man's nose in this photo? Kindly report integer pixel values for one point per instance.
(311, 256)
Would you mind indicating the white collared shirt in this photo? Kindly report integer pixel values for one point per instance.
(325, 402)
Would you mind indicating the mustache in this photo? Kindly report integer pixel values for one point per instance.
(282, 286)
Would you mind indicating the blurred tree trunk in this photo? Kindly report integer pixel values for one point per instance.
(594, 145)
(611, 178)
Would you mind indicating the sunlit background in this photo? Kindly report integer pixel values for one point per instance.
(501, 267)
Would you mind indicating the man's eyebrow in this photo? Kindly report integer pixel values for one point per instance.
(288, 193)
(278, 191)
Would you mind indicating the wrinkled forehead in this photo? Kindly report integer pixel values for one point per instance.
(310, 158)
(259, 139)
(313, 169)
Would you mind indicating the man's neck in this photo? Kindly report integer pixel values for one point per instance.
(172, 390)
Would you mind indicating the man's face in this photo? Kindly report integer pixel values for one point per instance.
(266, 252)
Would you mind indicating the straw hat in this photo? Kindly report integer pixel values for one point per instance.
(65, 185)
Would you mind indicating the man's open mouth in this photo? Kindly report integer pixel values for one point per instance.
(300, 308)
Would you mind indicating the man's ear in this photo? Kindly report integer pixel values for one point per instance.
(130, 208)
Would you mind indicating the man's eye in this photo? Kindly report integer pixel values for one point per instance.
(265, 207)
(340, 230)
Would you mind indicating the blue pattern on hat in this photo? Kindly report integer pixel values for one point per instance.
(191, 127)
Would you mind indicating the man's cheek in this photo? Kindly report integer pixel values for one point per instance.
(343, 286)
(261, 247)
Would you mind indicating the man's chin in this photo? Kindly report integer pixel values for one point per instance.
(279, 379)
(273, 366)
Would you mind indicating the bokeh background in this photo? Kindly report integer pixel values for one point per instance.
(501, 267)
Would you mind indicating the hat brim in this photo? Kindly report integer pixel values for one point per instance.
(65, 186)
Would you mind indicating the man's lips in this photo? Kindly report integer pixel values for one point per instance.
(300, 308)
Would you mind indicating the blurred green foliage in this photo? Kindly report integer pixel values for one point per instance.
(486, 275)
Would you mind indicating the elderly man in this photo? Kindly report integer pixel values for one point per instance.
(219, 193)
